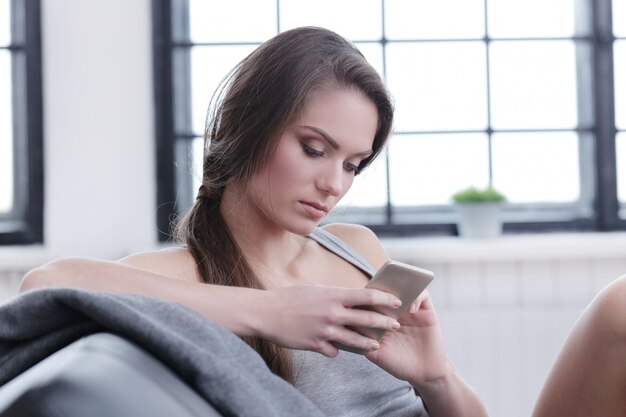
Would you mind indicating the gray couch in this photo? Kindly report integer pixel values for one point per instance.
(101, 375)
(67, 352)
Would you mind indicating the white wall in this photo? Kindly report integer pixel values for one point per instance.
(98, 127)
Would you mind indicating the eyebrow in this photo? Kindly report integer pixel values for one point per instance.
(332, 142)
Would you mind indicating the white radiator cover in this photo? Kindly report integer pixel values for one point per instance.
(9, 282)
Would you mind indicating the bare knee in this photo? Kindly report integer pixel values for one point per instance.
(608, 309)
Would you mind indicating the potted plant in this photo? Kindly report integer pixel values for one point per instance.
(479, 212)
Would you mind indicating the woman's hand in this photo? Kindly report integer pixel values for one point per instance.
(416, 352)
(313, 317)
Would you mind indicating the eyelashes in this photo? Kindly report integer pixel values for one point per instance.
(314, 153)
(351, 168)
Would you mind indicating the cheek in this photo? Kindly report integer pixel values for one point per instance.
(287, 167)
(258, 186)
(273, 183)
(347, 183)
(284, 171)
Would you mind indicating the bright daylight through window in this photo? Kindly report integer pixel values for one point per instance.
(21, 159)
(6, 112)
(501, 91)
(619, 28)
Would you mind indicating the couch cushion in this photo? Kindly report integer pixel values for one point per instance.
(101, 375)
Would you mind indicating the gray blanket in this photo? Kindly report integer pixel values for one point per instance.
(224, 370)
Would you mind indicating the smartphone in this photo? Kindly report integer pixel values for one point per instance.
(400, 279)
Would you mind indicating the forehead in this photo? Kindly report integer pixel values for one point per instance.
(347, 115)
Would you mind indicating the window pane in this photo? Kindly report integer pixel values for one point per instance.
(619, 17)
(5, 22)
(537, 167)
(6, 134)
(619, 59)
(428, 169)
(232, 21)
(373, 52)
(370, 187)
(209, 66)
(530, 18)
(411, 19)
(533, 85)
(621, 166)
(438, 86)
(354, 19)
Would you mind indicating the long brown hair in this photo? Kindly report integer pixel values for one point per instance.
(261, 96)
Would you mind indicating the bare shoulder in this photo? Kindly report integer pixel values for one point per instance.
(175, 262)
(362, 239)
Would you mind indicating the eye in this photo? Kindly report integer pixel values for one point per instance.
(351, 168)
(312, 151)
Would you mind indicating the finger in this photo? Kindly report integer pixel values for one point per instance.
(424, 295)
(370, 319)
(351, 338)
(328, 349)
(369, 297)
(421, 299)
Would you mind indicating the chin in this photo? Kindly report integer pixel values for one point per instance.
(302, 228)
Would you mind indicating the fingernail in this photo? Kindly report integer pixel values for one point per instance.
(397, 303)
(395, 325)
(375, 345)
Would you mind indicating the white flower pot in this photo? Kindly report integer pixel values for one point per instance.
(479, 220)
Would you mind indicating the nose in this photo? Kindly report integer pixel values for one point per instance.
(331, 180)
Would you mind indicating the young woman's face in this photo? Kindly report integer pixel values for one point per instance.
(316, 160)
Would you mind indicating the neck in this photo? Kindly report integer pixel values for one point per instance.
(270, 249)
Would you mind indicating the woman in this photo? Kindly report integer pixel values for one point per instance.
(295, 122)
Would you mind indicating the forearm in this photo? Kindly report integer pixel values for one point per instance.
(244, 311)
(450, 396)
(233, 307)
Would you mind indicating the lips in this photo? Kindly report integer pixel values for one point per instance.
(314, 209)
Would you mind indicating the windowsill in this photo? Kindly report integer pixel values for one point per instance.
(23, 258)
(509, 247)
(428, 249)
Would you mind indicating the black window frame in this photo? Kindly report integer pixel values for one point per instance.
(173, 189)
(24, 224)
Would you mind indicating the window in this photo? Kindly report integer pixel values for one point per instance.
(619, 48)
(520, 94)
(21, 160)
